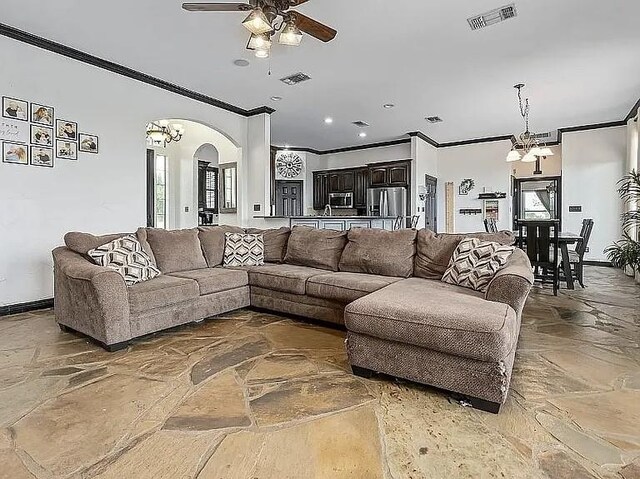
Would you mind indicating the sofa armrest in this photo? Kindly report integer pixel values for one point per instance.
(90, 298)
(512, 284)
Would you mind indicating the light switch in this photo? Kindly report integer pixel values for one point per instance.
(186, 209)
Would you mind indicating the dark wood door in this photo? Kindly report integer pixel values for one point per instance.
(431, 203)
(347, 182)
(334, 182)
(151, 187)
(289, 198)
(378, 176)
(320, 190)
(361, 183)
(398, 175)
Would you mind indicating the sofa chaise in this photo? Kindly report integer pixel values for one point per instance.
(383, 286)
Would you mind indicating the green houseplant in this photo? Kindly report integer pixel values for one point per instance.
(625, 253)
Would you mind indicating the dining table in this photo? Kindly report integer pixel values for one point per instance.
(565, 239)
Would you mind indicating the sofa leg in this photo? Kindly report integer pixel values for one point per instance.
(112, 348)
(362, 372)
(484, 405)
(64, 329)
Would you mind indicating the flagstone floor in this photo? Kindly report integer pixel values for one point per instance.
(258, 396)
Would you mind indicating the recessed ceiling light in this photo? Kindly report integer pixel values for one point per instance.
(276, 98)
(388, 106)
(241, 62)
(362, 134)
(328, 120)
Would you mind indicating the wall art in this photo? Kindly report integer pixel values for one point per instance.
(41, 135)
(66, 150)
(14, 131)
(42, 156)
(41, 114)
(16, 153)
(88, 143)
(14, 109)
(66, 130)
(466, 186)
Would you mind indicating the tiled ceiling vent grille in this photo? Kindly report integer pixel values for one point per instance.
(542, 136)
(295, 78)
(494, 16)
(361, 124)
(434, 119)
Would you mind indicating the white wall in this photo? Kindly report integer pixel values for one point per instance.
(425, 162)
(592, 163)
(485, 164)
(98, 193)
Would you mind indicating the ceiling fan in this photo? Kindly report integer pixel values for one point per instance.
(267, 17)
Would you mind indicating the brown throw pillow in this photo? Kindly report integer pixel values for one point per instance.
(315, 248)
(434, 251)
(275, 243)
(84, 242)
(376, 251)
(212, 240)
(177, 250)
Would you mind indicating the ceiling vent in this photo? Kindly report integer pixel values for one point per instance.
(494, 16)
(295, 78)
(361, 124)
(434, 119)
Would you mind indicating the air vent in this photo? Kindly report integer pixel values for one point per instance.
(494, 16)
(542, 136)
(361, 124)
(434, 119)
(295, 78)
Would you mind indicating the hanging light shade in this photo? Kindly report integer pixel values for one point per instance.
(513, 156)
(259, 42)
(262, 53)
(546, 151)
(529, 158)
(290, 35)
(257, 22)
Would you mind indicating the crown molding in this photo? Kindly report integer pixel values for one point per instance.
(424, 137)
(595, 126)
(474, 141)
(60, 49)
(634, 111)
(367, 146)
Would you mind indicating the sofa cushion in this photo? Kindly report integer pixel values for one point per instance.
(177, 250)
(212, 239)
(215, 280)
(376, 251)
(315, 248)
(474, 263)
(275, 243)
(161, 292)
(438, 316)
(126, 256)
(242, 249)
(83, 242)
(346, 287)
(282, 277)
(434, 251)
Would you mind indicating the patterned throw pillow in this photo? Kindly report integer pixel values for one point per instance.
(474, 263)
(243, 250)
(126, 256)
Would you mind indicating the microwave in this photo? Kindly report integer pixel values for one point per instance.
(341, 200)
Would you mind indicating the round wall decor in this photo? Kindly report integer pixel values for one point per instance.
(289, 164)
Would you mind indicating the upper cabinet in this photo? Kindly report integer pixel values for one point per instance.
(390, 174)
(341, 181)
(361, 180)
(320, 189)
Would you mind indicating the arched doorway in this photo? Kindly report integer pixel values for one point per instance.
(207, 159)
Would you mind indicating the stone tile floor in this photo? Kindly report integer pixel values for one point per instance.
(253, 395)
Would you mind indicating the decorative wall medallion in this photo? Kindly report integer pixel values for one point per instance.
(466, 186)
(289, 164)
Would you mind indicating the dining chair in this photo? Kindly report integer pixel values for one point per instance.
(576, 257)
(414, 221)
(539, 239)
(490, 225)
(397, 223)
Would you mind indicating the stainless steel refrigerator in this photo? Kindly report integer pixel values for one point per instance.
(387, 202)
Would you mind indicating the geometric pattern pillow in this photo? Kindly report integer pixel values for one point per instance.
(474, 263)
(126, 256)
(243, 249)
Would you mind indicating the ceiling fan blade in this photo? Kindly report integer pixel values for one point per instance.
(313, 27)
(217, 7)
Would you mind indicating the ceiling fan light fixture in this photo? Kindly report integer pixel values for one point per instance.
(290, 35)
(257, 22)
(259, 42)
(262, 53)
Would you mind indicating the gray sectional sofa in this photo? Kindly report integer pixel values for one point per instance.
(383, 286)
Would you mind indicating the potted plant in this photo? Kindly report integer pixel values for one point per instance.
(625, 253)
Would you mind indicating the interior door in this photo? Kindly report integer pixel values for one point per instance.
(289, 198)
(431, 203)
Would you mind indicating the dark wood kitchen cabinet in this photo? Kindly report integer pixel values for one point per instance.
(320, 190)
(341, 181)
(361, 183)
(390, 174)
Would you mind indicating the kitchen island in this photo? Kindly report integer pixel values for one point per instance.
(340, 223)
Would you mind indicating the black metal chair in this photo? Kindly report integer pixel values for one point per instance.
(414, 221)
(539, 239)
(576, 257)
(490, 225)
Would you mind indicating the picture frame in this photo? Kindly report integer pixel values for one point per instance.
(15, 153)
(42, 114)
(66, 130)
(88, 143)
(15, 109)
(466, 186)
(41, 156)
(66, 150)
(491, 209)
(41, 135)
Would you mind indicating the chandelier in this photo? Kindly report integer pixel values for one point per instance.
(526, 142)
(162, 132)
(262, 29)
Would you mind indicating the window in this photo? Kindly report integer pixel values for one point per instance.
(211, 189)
(160, 189)
(229, 197)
